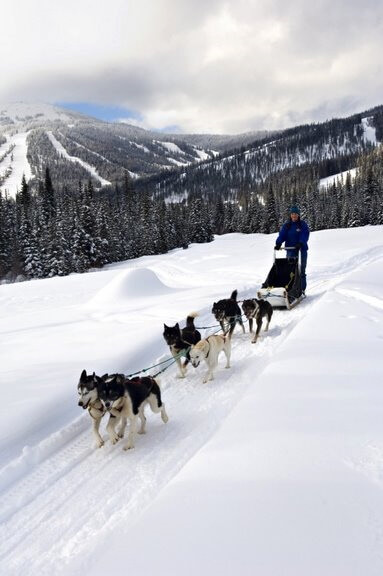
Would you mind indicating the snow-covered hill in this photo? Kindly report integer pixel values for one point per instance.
(322, 150)
(33, 136)
(275, 467)
(77, 147)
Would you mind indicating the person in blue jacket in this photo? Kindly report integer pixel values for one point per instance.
(295, 234)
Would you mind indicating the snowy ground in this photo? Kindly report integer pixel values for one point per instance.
(17, 161)
(274, 468)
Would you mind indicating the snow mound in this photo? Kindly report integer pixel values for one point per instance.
(139, 282)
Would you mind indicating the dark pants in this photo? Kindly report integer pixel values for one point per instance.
(303, 270)
(294, 254)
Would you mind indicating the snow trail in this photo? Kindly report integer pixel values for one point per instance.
(62, 496)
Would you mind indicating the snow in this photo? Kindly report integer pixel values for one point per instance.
(61, 150)
(275, 467)
(368, 136)
(177, 162)
(329, 180)
(21, 112)
(171, 146)
(369, 131)
(17, 161)
(141, 146)
(202, 154)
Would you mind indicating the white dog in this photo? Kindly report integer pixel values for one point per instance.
(208, 349)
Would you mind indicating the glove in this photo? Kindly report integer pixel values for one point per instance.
(298, 246)
(277, 247)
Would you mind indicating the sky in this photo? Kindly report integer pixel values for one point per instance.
(212, 67)
(274, 467)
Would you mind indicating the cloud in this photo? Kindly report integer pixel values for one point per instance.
(203, 66)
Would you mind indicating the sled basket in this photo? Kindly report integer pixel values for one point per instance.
(282, 287)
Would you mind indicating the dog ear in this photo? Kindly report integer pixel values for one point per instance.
(83, 375)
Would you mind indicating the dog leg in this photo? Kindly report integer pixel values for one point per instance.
(142, 417)
(259, 326)
(181, 369)
(164, 415)
(242, 325)
(96, 428)
(227, 351)
(229, 333)
(251, 325)
(132, 432)
(157, 406)
(209, 374)
(268, 321)
(121, 430)
(113, 436)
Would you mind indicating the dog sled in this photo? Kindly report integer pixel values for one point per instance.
(282, 287)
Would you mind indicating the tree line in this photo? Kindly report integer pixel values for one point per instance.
(51, 231)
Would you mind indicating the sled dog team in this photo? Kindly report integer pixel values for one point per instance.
(125, 399)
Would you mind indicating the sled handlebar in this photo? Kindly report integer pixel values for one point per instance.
(286, 248)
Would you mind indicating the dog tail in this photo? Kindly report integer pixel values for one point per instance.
(234, 295)
(190, 319)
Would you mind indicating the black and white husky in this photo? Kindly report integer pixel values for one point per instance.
(89, 388)
(258, 310)
(227, 310)
(125, 400)
(179, 340)
(208, 350)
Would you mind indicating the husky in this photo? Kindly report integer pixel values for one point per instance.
(258, 310)
(209, 349)
(88, 389)
(111, 394)
(227, 310)
(179, 340)
(125, 400)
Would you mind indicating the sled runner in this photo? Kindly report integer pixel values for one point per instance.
(282, 287)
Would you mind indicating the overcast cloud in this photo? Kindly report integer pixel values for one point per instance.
(201, 65)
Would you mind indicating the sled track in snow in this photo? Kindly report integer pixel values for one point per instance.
(63, 496)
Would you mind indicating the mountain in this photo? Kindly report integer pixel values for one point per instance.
(305, 153)
(76, 147)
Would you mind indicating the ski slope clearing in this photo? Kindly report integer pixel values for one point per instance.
(14, 162)
(61, 150)
(275, 467)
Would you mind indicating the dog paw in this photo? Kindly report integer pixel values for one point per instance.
(180, 376)
(100, 443)
(114, 439)
(121, 433)
(129, 446)
(142, 432)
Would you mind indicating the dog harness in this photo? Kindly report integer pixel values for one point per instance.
(98, 408)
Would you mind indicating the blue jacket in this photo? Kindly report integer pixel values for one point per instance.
(293, 233)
